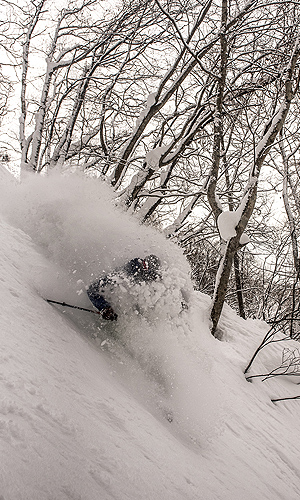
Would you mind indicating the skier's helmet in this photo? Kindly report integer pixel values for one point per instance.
(146, 269)
(152, 265)
(135, 268)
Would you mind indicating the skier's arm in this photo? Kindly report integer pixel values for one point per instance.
(96, 298)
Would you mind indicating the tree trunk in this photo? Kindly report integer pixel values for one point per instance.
(221, 285)
(238, 284)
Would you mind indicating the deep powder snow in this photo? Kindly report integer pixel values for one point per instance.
(152, 407)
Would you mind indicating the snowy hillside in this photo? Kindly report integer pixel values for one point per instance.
(150, 408)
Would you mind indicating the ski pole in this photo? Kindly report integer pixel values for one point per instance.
(73, 307)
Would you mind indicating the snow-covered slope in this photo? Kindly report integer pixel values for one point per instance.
(86, 416)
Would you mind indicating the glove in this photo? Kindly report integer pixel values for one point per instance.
(109, 314)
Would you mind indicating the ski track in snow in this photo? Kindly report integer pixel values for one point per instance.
(82, 422)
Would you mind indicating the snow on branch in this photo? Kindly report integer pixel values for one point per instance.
(149, 103)
(279, 117)
(227, 222)
(153, 156)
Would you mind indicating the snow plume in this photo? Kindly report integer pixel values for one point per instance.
(73, 220)
(167, 346)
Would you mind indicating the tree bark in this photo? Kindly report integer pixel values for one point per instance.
(238, 283)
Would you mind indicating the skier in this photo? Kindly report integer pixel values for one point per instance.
(138, 270)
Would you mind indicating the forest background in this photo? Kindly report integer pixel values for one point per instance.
(189, 110)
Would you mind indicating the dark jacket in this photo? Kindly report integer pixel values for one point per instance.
(138, 270)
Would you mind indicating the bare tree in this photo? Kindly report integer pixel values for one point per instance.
(84, 57)
(176, 103)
